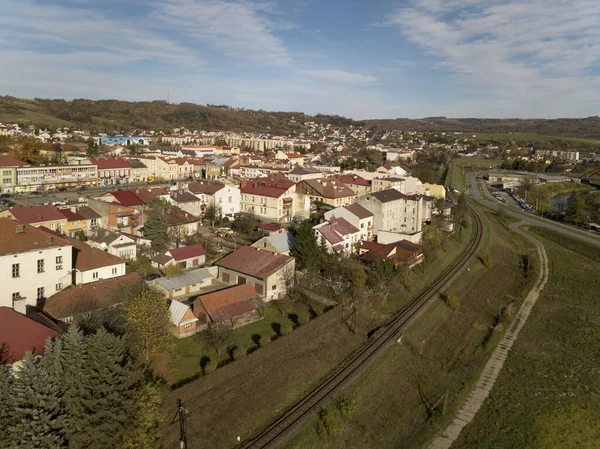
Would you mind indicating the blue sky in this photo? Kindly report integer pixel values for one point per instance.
(358, 58)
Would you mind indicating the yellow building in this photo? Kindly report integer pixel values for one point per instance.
(8, 170)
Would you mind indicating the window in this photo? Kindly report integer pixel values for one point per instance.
(15, 297)
(114, 271)
(16, 270)
(6, 173)
(40, 292)
(230, 199)
(95, 275)
(274, 288)
(59, 259)
(362, 226)
(187, 326)
(6, 180)
(40, 265)
(58, 287)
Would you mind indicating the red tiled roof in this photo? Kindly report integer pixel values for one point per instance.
(335, 229)
(36, 214)
(272, 190)
(376, 251)
(353, 179)
(227, 304)
(255, 262)
(87, 258)
(269, 226)
(327, 188)
(9, 161)
(127, 198)
(205, 187)
(186, 252)
(19, 334)
(147, 195)
(27, 239)
(105, 163)
(71, 216)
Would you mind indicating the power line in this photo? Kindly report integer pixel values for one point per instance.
(181, 415)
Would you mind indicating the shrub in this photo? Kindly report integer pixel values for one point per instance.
(330, 421)
(237, 353)
(487, 262)
(347, 406)
(210, 366)
(286, 328)
(452, 302)
(172, 270)
(321, 430)
(302, 319)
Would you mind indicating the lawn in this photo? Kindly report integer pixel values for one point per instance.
(474, 163)
(531, 137)
(443, 352)
(183, 358)
(548, 394)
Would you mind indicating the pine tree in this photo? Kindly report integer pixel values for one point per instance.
(156, 227)
(108, 401)
(306, 248)
(38, 416)
(6, 409)
(74, 358)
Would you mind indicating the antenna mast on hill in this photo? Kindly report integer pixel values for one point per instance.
(168, 92)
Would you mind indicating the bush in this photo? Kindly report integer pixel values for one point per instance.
(172, 270)
(210, 366)
(452, 302)
(237, 353)
(347, 406)
(302, 319)
(321, 431)
(285, 329)
(487, 262)
(330, 422)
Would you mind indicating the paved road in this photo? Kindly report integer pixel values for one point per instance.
(494, 365)
(481, 195)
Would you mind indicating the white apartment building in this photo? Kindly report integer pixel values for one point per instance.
(273, 201)
(35, 264)
(225, 196)
(338, 236)
(53, 176)
(357, 216)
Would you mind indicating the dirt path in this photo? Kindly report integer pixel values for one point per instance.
(489, 374)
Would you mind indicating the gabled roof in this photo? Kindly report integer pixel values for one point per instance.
(176, 216)
(269, 189)
(88, 213)
(255, 262)
(205, 187)
(9, 161)
(19, 334)
(185, 278)
(17, 238)
(186, 252)
(147, 195)
(136, 163)
(178, 311)
(104, 236)
(358, 210)
(127, 198)
(87, 258)
(71, 216)
(353, 179)
(282, 242)
(385, 196)
(329, 188)
(335, 229)
(36, 214)
(302, 170)
(229, 303)
(269, 226)
(184, 197)
(80, 299)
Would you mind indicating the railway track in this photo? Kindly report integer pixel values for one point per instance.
(291, 420)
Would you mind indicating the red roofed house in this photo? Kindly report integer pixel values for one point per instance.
(292, 158)
(112, 170)
(402, 252)
(359, 185)
(47, 216)
(329, 191)
(265, 270)
(270, 228)
(192, 256)
(338, 235)
(271, 201)
(235, 306)
(19, 335)
(357, 216)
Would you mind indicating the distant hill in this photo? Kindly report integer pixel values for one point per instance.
(124, 116)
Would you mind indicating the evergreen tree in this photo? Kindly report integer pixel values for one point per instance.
(37, 414)
(306, 248)
(109, 389)
(74, 358)
(6, 392)
(145, 434)
(156, 227)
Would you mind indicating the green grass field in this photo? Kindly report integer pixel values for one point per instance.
(29, 114)
(392, 403)
(531, 137)
(548, 393)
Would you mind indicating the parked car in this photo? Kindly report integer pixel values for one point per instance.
(35, 193)
(152, 276)
(5, 195)
(62, 189)
(7, 203)
(224, 232)
(82, 188)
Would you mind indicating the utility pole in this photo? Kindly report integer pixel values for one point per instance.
(181, 415)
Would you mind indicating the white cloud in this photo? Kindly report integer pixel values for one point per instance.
(241, 30)
(537, 56)
(340, 76)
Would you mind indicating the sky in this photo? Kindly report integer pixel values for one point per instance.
(356, 58)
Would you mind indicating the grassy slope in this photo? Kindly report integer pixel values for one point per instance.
(532, 137)
(548, 394)
(31, 114)
(443, 352)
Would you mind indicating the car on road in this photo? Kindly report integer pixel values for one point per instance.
(152, 276)
(224, 232)
(35, 193)
(61, 189)
(5, 195)
(7, 203)
(82, 188)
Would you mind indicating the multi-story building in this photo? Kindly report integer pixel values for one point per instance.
(300, 173)
(139, 171)
(8, 170)
(49, 177)
(379, 184)
(329, 191)
(359, 185)
(44, 215)
(35, 264)
(219, 194)
(357, 216)
(186, 201)
(338, 236)
(273, 201)
(396, 216)
(112, 170)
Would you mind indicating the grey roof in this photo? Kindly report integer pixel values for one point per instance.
(136, 163)
(184, 279)
(282, 242)
(88, 213)
(104, 236)
(178, 310)
(385, 196)
(184, 197)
